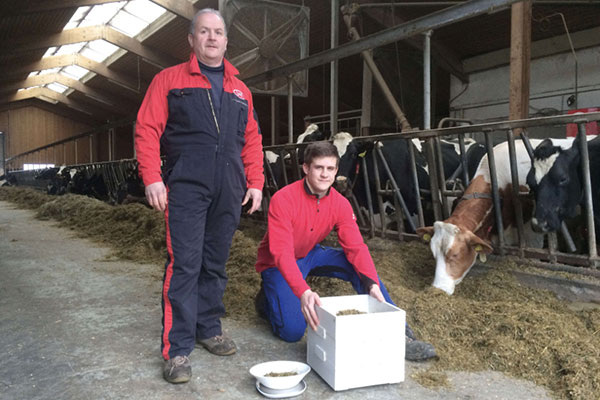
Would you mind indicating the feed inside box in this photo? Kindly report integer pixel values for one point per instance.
(362, 346)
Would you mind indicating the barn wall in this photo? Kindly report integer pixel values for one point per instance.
(30, 127)
(552, 82)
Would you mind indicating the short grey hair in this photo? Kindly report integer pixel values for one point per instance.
(206, 11)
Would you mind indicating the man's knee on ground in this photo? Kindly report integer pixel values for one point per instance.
(292, 332)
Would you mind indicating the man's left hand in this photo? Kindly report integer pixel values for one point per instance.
(376, 292)
(256, 196)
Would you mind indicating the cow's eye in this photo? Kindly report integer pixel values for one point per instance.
(563, 180)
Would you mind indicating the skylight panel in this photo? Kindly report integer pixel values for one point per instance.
(57, 87)
(145, 10)
(102, 13)
(74, 71)
(99, 50)
(128, 24)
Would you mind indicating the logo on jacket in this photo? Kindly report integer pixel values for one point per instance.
(239, 93)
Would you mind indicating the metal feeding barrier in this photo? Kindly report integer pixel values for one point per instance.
(433, 200)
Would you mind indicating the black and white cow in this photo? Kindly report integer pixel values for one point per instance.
(556, 181)
(275, 167)
(350, 177)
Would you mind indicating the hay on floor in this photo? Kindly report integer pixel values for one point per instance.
(490, 323)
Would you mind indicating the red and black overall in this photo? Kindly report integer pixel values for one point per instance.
(212, 158)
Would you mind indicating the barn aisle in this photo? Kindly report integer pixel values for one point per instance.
(75, 324)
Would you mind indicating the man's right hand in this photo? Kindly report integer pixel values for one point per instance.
(156, 194)
(307, 304)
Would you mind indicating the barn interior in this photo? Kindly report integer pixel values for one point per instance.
(75, 72)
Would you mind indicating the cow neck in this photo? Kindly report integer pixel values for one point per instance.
(475, 212)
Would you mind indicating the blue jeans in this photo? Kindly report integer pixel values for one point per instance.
(283, 307)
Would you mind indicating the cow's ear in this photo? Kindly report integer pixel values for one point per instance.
(425, 233)
(479, 245)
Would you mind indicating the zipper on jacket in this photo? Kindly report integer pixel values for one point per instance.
(212, 108)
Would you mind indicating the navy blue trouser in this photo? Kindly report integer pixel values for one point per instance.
(203, 212)
(283, 307)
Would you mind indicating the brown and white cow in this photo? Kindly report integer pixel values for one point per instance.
(456, 242)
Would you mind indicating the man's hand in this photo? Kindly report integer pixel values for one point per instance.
(307, 304)
(156, 193)
(375, 291)
(256, 196)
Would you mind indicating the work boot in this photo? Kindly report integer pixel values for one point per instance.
(177, 369)
(221, 345)
(416, 350)
(260, 303)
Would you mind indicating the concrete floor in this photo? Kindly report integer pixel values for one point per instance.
(76, 325)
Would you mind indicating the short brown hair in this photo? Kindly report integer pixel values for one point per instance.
(319, 150)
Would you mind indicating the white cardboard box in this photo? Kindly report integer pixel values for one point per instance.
(359, 350)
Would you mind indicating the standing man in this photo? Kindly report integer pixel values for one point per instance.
(301, 215)
(202, 118)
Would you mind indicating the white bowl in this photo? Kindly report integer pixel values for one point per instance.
(279, 382)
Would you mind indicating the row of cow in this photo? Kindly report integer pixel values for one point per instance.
(553, 178)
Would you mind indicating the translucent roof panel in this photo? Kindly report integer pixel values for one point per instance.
(127, 23)
(74, 71)
(99, 50)
(57, 87)
(102, 13)
(145, 10)
(70, 48)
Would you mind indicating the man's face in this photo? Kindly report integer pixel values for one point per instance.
(208, 40)
(320, 174)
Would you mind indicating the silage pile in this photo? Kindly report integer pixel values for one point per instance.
(490, 323)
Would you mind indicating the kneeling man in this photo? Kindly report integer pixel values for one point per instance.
(301, 215)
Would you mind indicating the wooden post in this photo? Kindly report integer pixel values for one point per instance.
(520, 60)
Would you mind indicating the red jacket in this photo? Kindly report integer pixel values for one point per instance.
(181, 89)
(298, 221)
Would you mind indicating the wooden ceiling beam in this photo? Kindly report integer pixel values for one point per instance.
(85, 34)
(45, 93)
(77, 59)
(27, 6)
(92, 93)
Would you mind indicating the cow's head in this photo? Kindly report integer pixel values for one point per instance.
(555, 180)
(350, 153)
(455, 251)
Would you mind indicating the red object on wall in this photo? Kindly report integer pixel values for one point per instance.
(591, 128)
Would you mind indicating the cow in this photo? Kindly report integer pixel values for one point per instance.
(556, 181)
(275, 167)
(350, 177)
(457, 241)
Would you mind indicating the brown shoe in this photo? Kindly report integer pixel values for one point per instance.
(221, 345)
(177, 369)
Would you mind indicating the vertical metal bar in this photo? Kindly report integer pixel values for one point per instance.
(76, 150)
(133, 137)
(439, 164)
(273, 119)
(333, 90)
(91, 148)
(368, 194)
(463, 159)
(367, 93)
(433, 181)
(378, 190)
(495, 195)
(415, 178)
(427, 80)
(396, 190)
(514, 174)
(290, 99)
(587, 184)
